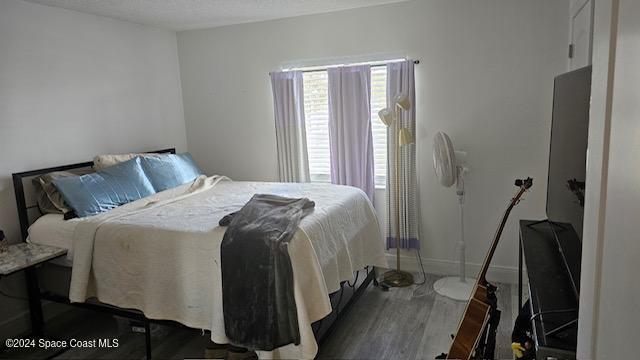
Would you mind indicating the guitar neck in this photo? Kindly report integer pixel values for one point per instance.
(482, 277)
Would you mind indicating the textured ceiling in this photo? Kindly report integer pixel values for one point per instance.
(200, 14)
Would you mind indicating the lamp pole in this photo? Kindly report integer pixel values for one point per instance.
(397, 277)
(397, 186)
(402, 136)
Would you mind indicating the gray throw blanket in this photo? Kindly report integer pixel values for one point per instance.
(257, 279)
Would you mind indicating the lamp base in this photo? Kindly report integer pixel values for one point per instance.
(455, 289)
(395, 278)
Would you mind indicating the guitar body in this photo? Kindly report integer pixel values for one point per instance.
(471, 326)
(482, 302)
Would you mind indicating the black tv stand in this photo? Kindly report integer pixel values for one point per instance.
(547, 221)
(552, 261)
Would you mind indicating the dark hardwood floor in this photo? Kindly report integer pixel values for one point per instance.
(408, 323)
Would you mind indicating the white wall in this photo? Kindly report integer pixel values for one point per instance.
(611, 246)
(596, 178)
(73, 86)
(485, 77)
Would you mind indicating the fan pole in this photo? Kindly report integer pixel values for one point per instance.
(458, 288)
(462, 247)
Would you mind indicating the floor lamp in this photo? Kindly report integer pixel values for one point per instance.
(397, 277)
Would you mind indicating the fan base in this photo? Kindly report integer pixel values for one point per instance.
(453, 288)
(395, 278)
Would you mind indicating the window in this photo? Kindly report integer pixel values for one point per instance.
(316, 112)
(378, 129)
(316, 117)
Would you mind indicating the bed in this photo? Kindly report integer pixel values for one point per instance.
(160, 254)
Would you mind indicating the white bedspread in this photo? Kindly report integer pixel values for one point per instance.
(161, 254)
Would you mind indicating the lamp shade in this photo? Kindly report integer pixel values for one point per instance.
(405, 137)
(403, 101)
(386, 116)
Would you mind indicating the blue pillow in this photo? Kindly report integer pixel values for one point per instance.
(106, 189)
(168, 171)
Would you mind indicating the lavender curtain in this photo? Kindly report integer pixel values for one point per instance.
(288, 104)
(350, 138)
(400, 79)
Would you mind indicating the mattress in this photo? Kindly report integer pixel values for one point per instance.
(161, 254)
(53, 230)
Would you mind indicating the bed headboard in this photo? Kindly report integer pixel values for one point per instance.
(26, 202)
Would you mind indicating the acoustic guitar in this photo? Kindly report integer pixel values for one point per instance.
(473, 325)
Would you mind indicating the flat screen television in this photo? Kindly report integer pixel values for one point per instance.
(568, 153)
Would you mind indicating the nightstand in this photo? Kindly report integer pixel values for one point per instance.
(26, 256)
(23, 256)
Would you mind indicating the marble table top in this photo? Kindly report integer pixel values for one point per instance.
(23, 255)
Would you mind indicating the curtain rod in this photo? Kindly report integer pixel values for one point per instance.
(305, 69)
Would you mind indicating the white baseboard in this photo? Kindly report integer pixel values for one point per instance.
(501, 274)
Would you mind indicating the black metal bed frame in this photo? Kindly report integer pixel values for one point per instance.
(322, 328)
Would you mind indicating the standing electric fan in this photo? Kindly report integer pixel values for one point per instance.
(450, 170)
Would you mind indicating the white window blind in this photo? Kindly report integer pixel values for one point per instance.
(316, 115)
(378, 129)
(316, 111)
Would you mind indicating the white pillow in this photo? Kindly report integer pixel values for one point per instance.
(103, 161)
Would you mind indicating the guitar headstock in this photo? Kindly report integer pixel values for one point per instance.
(526, 183)
(524, 186)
